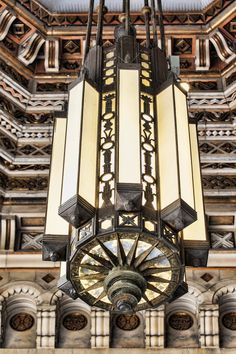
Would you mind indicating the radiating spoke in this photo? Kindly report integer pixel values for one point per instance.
(99, 259)
(150, 271)
(155, 290)
(153, 279)
(100, 297)
(94, 276)
(144, 255)
(151, 262)
(97, 285)
(120, 252)
(97, 268)
(110, 255)
(147, 300)
(132, 251)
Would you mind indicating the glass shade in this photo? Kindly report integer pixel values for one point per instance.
(89, 142)
(72, 150)
(196, 231)
(55, 225)
(81, 144)
(129, 127)
(175, 165)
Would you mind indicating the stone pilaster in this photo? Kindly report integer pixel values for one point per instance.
(209, 326)
(8, 232)
(155, 328)
(46, 320)
(100, 329)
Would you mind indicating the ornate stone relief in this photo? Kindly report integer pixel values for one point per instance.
(21, 321)
(75, 321)
(52, 19)
(180, 321)
(222, 239)
(229, 321)
(127, 322)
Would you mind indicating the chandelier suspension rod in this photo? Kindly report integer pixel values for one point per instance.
(100, 23)
(154, 25)
(127, 15)
(161, 24)
(123, 9)
(146, 13)
(89, 27)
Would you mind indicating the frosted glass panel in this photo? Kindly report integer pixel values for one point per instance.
(88, 159)
(197, 230)
(72, 152)
(129, 127)
(168, 171)
(55, 225)
(184, 153)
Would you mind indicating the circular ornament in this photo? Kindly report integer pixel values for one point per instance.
(181, 321)
(21, 322)
(75, 321)
(229, 321)
(127, 322)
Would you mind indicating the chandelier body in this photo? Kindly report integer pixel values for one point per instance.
(126, 178)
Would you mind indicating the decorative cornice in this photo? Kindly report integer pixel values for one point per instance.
(170, 18)
(27, 101)
(23, 183)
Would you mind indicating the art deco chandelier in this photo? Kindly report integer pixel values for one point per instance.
(125, 174)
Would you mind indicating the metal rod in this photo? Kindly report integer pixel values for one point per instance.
(154, 25)
(100, 23)
(146, 14)
(89, 27)
(127, 14)
(162, 28)
(123, 10)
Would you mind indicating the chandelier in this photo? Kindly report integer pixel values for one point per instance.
(125, 174)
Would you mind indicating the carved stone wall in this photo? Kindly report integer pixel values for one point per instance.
(34, 314)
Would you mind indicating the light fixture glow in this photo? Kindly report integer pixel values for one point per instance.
(127, 186)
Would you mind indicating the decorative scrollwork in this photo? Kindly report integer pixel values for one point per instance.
(107, 139)
(148, 151)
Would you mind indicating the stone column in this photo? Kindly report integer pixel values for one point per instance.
(46, 323)
(202, 54)
(155, 328)
(209, 326)
(100, 329)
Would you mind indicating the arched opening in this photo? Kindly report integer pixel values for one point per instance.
(19, 322)
(73, 325)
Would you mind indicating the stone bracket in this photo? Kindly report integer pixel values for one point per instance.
(196, 253)
(55, 247)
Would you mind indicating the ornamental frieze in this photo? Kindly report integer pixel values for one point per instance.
(53, 19)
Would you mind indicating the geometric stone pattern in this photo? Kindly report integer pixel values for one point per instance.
(222, 229)
(31, 241)
(222, 240)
